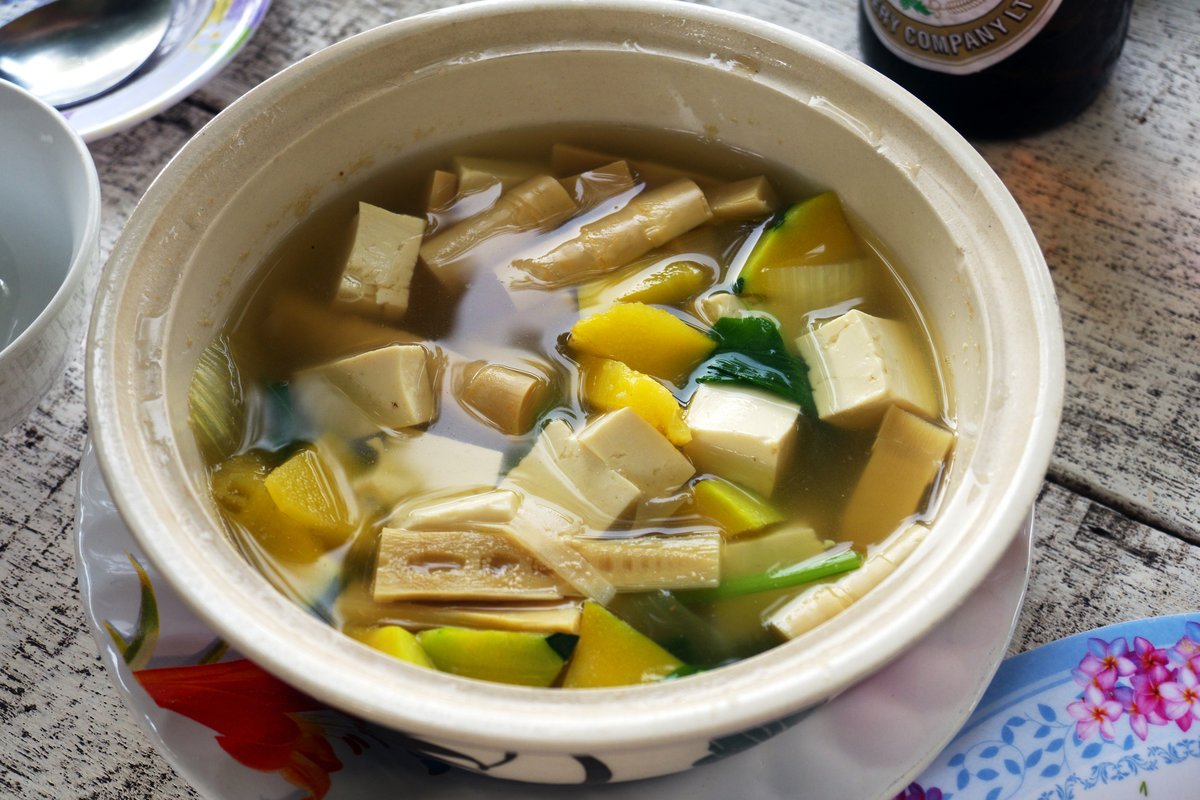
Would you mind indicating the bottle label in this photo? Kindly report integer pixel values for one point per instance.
(957, 36)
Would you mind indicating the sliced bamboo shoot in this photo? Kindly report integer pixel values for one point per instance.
(540, 617)
(752, 198)
(649, 563)
(475, 173)
(777, 549)
(537, 204)
(457, 566)
(215, 401)
(810, 609)
(545, 532)
(566, 159)
(592, 186)
(378, 272)
(426, 462)
(649, 220)
(509, 399)
(443, 187)
(908, 455)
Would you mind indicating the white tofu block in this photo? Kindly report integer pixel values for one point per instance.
(462, 513)
(741, 434)
(387, 388)
(860, 364)
(378, 272)
(558, 469)
(426, 462)
(633, 447)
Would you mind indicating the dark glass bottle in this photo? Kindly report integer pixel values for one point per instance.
(997, 68)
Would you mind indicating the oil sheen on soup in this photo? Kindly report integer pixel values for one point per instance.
(575, 411)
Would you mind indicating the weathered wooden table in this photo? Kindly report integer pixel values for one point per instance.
(1113, 197)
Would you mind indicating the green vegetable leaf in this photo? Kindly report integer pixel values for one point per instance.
(750, 351)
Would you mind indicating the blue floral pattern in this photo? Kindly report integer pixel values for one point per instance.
(1047, 728)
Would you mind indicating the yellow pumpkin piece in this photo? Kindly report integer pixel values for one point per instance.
(646, 338)
(735, 509)
(517, 657)
(612, 653)
(810, 233)
(238, 486)
(610, 386)
(674, 283)
(393, 640)
(306, 491)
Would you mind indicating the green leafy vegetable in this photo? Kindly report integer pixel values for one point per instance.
(834, 562)
(750, 351)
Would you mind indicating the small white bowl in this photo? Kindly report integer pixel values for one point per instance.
(336, 119)
(49, 244)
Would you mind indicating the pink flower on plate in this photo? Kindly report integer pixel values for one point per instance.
(1141, 715)
(1092, 672)
(1147, 686)
(1181, 698)
(1185, 649)
(1094, 710)
(1147, 656)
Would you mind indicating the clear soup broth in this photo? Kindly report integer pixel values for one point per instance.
(576, 408)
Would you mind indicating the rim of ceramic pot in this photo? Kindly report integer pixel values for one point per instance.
(162, 514)
(84, 253)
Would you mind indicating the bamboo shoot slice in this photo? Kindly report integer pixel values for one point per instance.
(215, 401)
(649, 563)
(649, 220)
(476, 173)
(545, 533)
(811, 608)
(508, 399)
(568, 158)
(457, 566)
(752, 198)
(551, 616)
(908, 455)
(591, 187)
(443, 187)
(537, 204)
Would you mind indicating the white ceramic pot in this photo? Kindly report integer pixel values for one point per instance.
(49, 246)
(333, 120)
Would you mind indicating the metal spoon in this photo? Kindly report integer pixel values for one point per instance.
(72, 50)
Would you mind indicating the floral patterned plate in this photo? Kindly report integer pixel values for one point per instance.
(203, 36)
(1102, 715)
(236, 733)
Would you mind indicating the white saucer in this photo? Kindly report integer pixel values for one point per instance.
(203, 37)
(870, 742)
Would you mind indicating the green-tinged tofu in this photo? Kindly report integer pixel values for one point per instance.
(861, 365)
(908, 455)
(378, 272)
(763, 552)
(742, 434)
(525, 659)
(388, 388)
(820, 603)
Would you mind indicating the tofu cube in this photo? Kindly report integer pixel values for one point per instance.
(378, 272)
(388, 388)
(634, 448)
(558, 469)
(860, 365)
(426, 462)
(741, 434)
